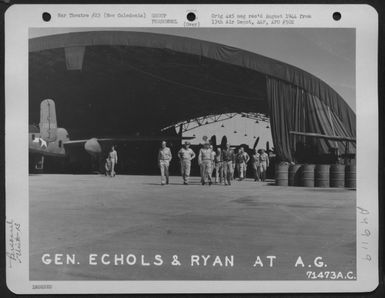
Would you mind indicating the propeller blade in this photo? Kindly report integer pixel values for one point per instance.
(213, 141)
(224, 141)
(256, 143)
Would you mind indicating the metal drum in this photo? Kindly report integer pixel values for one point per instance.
(282, 174)
(350, 176)
(295, 175)
(307, 175)
(337, 175)
(322, 175)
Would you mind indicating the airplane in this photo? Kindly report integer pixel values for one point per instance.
(46, 139)
(49, 140)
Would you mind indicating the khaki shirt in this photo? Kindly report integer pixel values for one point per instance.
(165, 154)
(186, 154)
(205, 154)
(256, 159)
(243, 157)
(113, 156)
(228, 155)
(264, 159)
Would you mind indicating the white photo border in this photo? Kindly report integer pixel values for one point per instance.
(18, 20)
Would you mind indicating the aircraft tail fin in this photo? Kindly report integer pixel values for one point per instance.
(48, 123)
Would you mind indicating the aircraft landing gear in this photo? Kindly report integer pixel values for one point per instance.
(40, 164)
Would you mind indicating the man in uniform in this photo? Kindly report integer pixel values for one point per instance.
(263, 164)
(107, 166)
(242, 160)
(164, 159)
(256, 165)
(186, 155)
(218, 163)
(228, 158)
(234, 165)
(213, 154)
(113, 156)
(205, 162)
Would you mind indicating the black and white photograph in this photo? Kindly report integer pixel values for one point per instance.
(193, 154)
(161, 154)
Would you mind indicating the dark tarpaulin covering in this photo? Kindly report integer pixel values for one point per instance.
(297, 100)
(294, 109)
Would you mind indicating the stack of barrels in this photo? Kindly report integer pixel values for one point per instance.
(321, 175)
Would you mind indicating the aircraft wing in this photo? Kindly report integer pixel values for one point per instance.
(322, 136)
(75, 142)
(128, 139)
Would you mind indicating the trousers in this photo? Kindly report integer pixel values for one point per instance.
(219, 172)
(206, 170)
(228, 171)
(185, 169)
(242, 167)
(113, 167)
(262, 170)
(164, 165)
(257, 173)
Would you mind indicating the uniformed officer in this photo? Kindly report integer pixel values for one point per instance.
(242, 160)
(205, 162)
(263, 164)
(213, 154)
(164, 159)
(107, 166)
(228, 158)
(113, 156)
(186, 155)
(218, 162)
(256, 165)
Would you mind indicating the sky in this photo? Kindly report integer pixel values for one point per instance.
(327, 53)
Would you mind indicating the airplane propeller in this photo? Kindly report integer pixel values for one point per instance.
(223, 141)
(256, 143)
(213, 141)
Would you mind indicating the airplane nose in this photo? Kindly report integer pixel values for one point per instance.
(93, 147)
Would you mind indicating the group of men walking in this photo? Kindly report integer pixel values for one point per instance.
(224, 162)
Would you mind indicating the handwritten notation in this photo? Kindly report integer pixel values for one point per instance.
(365, 232)
(14, 242)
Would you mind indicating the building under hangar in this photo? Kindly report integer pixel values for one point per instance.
(113, 83)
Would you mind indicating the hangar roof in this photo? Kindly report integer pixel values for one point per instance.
(167, 78)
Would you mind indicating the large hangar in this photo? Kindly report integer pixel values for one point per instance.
(117, 82)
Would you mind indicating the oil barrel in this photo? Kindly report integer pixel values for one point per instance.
(282, 174)
(350, 176)
(337, 175)
(295, 175)
(307, 175)
(322, 175)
